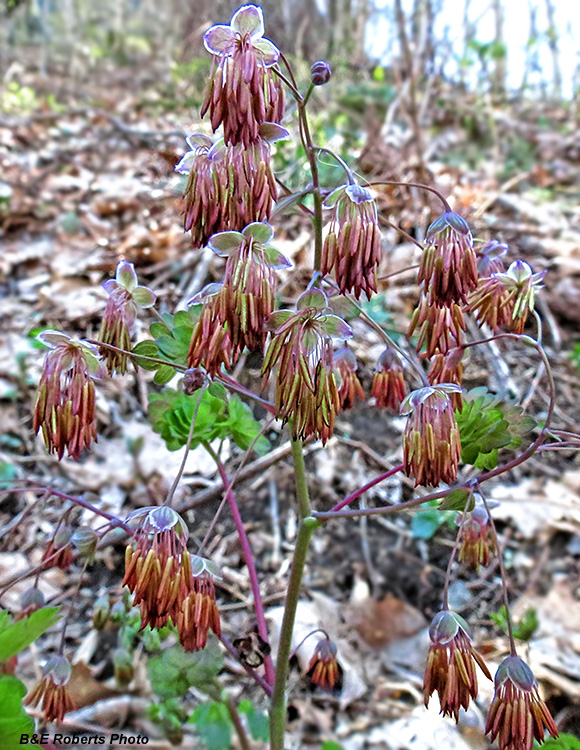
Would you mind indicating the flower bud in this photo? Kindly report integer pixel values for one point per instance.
(320, 72)
(32, 600)
(192, 380)
(85, 540)
(101, 612)
(123, 664)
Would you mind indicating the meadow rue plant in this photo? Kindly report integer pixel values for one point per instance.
(309, 359)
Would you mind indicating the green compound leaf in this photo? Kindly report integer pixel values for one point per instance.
(487, 425)
(213, 724)
(14, 721)
(173, 672)
(15, 637)
(171, 414)
(258, 722)
(173, 336)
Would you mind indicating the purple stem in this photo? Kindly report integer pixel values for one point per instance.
(361, 490)
(36, 486)
(250, 563)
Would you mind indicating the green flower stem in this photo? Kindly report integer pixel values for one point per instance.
(248, 557)
(305, 531)
(278, 704)
(302, 495)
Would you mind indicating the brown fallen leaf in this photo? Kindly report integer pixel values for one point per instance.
(381, 622)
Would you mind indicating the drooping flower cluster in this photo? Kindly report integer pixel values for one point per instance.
(51, 692)
(228, 187)
(350, 386)
(235, 312)
(166, 581)
(448, 368)
(125, 296)
(440, 329)
(449, 264)
(517, 714)
(504, 300)
(475, 539)
(451, 664)
(324, 669)
(389, 382)
(352, 247)
(431, 443)
(448, 272)
(242, 91)
(65, 405)
(301, 349)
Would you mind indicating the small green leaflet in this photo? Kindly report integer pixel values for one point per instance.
(173, 672)
(213, 724)
(14, 721)
(15, 637)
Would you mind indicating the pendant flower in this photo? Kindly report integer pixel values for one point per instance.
(431, 444)
(301, 348)
(448, 368)
(65, 405)
(476, 542)
(324, 669)
(490, 258)
(504, 300)
(449, 264)
(440, 328)
(125, 296)
(389, 382)
(158, 567)
(51, 693)
(199, 613)
(236, 311)
(350, 386)
(228, 187)
(353, 246)
(517, 714)
(451, 664)
(242, 91)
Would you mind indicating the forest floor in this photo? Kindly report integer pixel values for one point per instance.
(88, 182)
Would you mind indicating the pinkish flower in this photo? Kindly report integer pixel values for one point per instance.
(353, 246)
(517, 714)
(324, 669)
(451, 664)
(389, 382)
(431, 444)
(125, 296)
(65, 405)
(51, 693)
(242, 91)
(475, 538)
(449, 264)
(440, 328)
(448, 368)
(350, 386)
(490, 258)
(301, 349)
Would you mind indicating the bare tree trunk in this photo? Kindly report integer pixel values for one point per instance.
(499, 73)
(553, 44)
